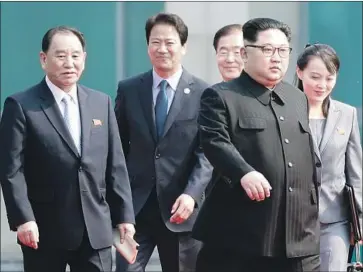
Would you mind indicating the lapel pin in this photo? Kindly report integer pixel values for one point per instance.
(97, 122)
(186, 90)
(341, 131)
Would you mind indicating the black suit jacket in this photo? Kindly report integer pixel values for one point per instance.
(175, 164)
(240, 133)
(44, 178)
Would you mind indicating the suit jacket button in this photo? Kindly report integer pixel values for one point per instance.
(290, 164)
(157, 156)
(290, 189)
(318, 164)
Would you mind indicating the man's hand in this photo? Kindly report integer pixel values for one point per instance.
(182, 209)
(28, 234)
(126, 229)
(256, 186)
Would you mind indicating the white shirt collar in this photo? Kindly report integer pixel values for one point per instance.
(59, 94)
(173, 81)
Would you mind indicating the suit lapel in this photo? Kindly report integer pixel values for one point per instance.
(180, 98)
(331, 123)
(85, 117)
(146, 100)
(51, 110)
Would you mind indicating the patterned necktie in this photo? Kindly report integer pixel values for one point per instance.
(70, 118)
(161, 108)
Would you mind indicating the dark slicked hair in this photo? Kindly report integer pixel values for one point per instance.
(252, 27)
(224, 31)
(167, 19)
(48, 36)
(330, 58)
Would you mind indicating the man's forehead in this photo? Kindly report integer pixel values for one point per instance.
(67, 50)
(229, 46)
(272, 35)
(65, 43)
(231, 40)
(65, 37)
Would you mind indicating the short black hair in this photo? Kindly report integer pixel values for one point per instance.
(224, 31)
(168, 19)
(252, 27)
(48, 36)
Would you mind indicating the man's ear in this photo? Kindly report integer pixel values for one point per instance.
(184, 49)
(244, 54)
(43, 59)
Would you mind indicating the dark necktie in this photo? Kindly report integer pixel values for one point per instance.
(161, 108)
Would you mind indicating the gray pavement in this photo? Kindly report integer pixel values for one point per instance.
(11, 257)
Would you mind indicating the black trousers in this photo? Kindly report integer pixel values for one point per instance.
(83, 259)
(211, 259)
(177, 251)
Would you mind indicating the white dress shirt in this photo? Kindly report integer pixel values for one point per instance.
(58, 95)
(173, 82)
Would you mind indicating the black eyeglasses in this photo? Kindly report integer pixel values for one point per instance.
(269, 50)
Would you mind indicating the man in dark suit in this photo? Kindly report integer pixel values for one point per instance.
(157, 116)
(262, 211)
(62, 168)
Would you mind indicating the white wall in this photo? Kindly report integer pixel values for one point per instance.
(205, 18)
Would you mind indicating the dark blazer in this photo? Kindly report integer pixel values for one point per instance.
(241, 132)
(44, 179)
(175, 164)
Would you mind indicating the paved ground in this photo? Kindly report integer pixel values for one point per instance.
(11, 259)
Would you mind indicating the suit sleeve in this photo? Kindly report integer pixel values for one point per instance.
(13, 134)
(117, 179)
(353, 162)
(122, 120)
(215, 138)
(200, 176)
(202, 171)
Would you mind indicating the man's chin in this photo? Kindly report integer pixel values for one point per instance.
(164, 67)
(68, 83)
(275, 78)
(232, 75)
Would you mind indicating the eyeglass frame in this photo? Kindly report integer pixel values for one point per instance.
(262, 47)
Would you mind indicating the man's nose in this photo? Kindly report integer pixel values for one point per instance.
(68, 62)
(276, 56)
(162, 48)
(230, 57)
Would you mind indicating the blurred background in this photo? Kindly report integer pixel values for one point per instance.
(116, 44)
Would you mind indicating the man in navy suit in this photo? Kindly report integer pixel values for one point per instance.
(62, 168)
(157, 116)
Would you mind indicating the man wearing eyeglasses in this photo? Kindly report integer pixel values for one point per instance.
(261, 213)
